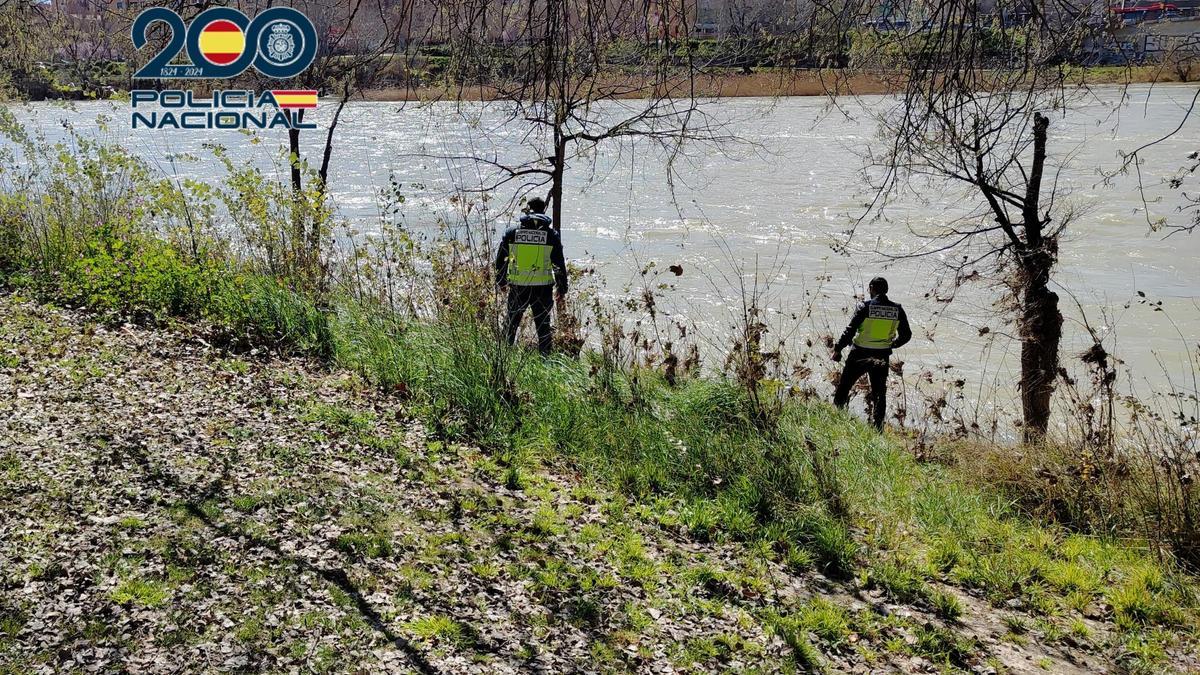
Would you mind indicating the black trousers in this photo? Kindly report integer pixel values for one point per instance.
(875, 365)
(539, 300)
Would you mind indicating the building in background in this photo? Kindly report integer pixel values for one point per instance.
(1155, 39)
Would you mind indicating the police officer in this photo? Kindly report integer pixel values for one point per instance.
(878, 326)
(529, 264)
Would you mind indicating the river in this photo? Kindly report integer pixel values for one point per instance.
(768, 209)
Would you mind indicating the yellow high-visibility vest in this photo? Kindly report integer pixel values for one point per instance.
(878, 330)
(529, 259)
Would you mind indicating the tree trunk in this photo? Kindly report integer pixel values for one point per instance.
(314, 234)
(556, 183)
(1040, 322)
(294, 156)
(297, 185)
(1041, 332)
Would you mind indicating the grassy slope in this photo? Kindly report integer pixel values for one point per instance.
(169, 501)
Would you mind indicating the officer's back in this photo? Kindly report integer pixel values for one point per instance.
(529, 265)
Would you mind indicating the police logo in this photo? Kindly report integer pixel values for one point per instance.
(281, 41)
(281, 46)
(222, 42)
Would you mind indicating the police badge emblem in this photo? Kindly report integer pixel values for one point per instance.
(281, 46)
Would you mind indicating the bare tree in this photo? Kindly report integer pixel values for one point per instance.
(975, 91)
(1181, 181)
(581, 74)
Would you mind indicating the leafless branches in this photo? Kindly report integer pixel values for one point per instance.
(579, 75)
(1191, 203)
(975, 92)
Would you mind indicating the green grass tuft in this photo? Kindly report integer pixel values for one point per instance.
(144, 592)
(442, 629)
(947, 606)
(943, 646)
(365, 544)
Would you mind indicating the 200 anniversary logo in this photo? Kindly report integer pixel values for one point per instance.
(222, 43)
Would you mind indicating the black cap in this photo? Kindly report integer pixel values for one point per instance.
(878, 286)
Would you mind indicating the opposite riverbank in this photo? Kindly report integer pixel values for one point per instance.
(760, 83)
(782, 83)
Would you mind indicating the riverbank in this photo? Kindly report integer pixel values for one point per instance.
(367, 413)
(784, 83)
(174, 503)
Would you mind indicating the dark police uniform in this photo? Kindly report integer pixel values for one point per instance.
(530, 263)
(877, 327)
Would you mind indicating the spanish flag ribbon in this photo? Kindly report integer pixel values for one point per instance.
(295, 98)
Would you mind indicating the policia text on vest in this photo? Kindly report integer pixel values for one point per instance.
(530, 264)
(877, 327)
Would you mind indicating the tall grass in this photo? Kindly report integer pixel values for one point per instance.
(704, 454)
